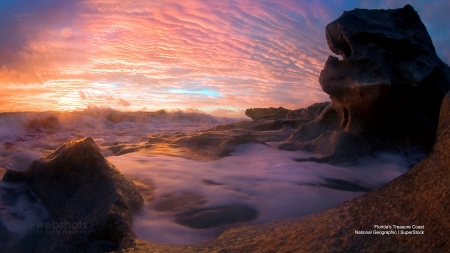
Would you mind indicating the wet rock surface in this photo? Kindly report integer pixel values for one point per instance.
(342, 185)
(89, 202)
(385, 92)
(202, 218)
(222, 140)
(174, 202)
(267, 113)
(418, 197)
(307, 114)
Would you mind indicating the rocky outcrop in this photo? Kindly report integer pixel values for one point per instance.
(271, 113)
(268, 125)
(90, 203)
(267, 113)
(385, 92)
(419, 197)
(216, 144)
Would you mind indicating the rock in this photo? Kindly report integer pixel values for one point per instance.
(19, 208)
(267, 113)
(122, 149)
(2, 171)
(210, 182)
(309, 113)
(272, 113)
(342, 185)
(222, 140)
(388, 86)
(6, 237)
(338, 147)
(146, 189)
(419, 197)
(215, 216)
(174, 202)
(211, 144)
(216, 144)
(90, 203)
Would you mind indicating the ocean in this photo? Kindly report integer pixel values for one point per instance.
(255, 175)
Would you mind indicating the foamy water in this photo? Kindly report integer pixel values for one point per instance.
(25, 137)
(257, 176)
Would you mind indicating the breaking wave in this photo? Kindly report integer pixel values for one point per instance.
(260, 178)
(28, 135)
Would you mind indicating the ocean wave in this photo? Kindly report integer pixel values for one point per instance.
(41, 132)
(101, 117)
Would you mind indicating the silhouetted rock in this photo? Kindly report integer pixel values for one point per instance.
(90, 203)
(388, 86)
(267, 113)
(280, 113)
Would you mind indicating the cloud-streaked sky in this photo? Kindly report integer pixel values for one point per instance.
(216, 56)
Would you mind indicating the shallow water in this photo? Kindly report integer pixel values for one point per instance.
(255, 177)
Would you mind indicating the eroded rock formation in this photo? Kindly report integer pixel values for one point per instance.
(419, 198)
(280, 113)
(267, 113)
(385, 92)
(90, 203)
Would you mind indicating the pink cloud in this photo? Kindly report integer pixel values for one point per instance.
(253, 54)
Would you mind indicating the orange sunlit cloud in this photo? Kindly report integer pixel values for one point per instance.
(216, 56)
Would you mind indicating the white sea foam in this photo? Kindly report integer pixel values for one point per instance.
(258, 176)
(26, 136)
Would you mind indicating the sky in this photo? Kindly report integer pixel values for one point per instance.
(215, 56)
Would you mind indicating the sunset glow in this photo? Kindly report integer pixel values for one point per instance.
(219, 57)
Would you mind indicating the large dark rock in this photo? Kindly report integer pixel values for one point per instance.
(388, 87)
(90, 203)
